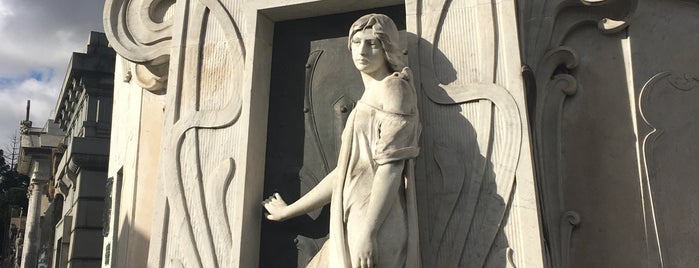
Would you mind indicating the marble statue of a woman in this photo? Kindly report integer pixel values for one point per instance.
(373, 221)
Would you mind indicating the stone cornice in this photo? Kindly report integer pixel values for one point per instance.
(88, 73)
(82, 153)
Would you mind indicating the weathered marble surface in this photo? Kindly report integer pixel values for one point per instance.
(216, 58)
(475, 178)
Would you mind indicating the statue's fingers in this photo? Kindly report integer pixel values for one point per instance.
(370, 262)
(277, 196)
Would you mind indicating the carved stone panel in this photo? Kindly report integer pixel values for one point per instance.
(598, 168)
(595, 64)
(202, 42)
(664, 72)
(669, 152)
(474, 176)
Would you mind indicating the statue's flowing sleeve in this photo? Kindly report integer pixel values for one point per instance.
(397, 138)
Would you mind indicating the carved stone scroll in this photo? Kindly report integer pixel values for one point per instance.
(557, 86)
(549, 26)
(141, 31)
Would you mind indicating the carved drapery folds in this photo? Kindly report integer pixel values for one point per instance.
(198, 44)
(473, 141)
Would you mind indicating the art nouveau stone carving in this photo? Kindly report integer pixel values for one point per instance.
(474, 178)
(201, 43)
(142, 32)
(369, 213)
(564, 72)
(667, 149)
(556, 88)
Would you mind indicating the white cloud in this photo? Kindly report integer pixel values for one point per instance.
(4, 10)
(38, 38)
(13, 98)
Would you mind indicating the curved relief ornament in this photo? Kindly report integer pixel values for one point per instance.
(452, 93)
(667, 105)
(193, 192)
(144, 77)
(569, 221)
(554, 86)
(199, 44)
(645, 99)
(141, 31)
(470, 189)
(552, 22)
(148, 80)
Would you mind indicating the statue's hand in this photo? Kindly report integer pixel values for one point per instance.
(365, 250)
(276, 208)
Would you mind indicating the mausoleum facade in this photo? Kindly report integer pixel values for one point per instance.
(554, 133)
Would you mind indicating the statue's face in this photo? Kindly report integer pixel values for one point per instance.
(367, 53)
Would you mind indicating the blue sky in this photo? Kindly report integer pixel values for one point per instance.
(37, 38)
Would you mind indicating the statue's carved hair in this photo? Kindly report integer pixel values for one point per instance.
(386, 32)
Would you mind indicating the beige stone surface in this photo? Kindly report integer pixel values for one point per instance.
(218, 54)
(122, 163)
(133, 167)
(475, 178)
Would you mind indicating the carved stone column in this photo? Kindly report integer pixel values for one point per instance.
(39, 181)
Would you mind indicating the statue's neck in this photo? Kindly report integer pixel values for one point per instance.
(372, 79)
